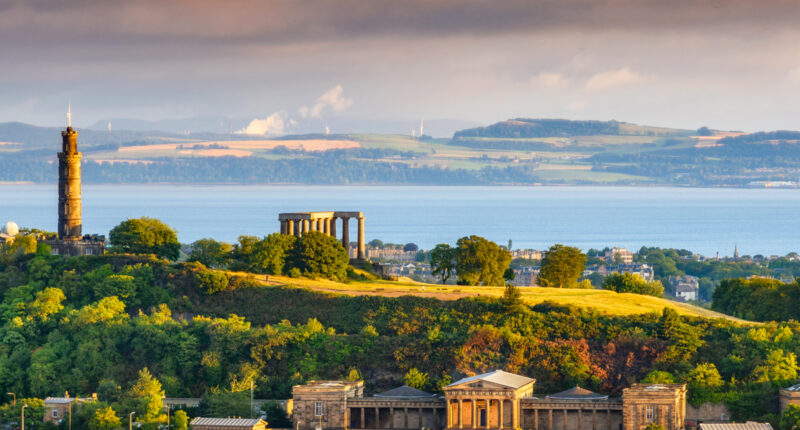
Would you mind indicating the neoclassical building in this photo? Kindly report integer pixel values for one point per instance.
(490, 401)
(298, 223)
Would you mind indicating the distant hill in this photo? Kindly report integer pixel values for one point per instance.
(527, 128)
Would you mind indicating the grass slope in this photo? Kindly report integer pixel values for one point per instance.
(604, 301)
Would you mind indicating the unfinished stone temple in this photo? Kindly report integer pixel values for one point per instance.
(492, 401)
(70, 240)
(298, 223)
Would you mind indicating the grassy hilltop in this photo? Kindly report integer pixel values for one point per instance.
(605, 301)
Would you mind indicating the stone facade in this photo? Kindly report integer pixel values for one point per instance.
(323, 404)
(491, 401)
(789, 396)
(662, 404)
(57, 409)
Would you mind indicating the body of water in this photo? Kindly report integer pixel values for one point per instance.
(702, 220)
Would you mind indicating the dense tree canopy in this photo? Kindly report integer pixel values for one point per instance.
(632, 283)
(480, 261)
(443, 261)
(562, 266)
(320, 255)
(145, 236)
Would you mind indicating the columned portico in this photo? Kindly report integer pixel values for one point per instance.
(300, 223)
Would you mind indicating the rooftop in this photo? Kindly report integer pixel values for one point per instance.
(750, 425)
(226, 422)
(405, 392)
(498, 377)
(793, 388)
(577, 393)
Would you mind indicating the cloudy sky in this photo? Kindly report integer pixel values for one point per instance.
(723, 63)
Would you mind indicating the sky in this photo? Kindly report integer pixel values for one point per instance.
(726, 64)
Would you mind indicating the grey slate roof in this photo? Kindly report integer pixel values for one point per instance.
(498, 377)
(64, 400)
(226, 422)
(750, 425)
(577, 393)
(405, 391)
(793, 388)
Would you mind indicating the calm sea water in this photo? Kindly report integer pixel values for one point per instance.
(702, 220)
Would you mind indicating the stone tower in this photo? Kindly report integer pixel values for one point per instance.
(69, 187)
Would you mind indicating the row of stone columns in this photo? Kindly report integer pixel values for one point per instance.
(298, 227)
(406, 422)
(457, 420)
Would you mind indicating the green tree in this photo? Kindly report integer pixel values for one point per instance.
(210, 281)
(145, 236)
(632, 283)
(319, 255)
(658, 377)
(705, 375)
(443, 261)
(790, 419)
(480, 261)
(416, 379)
(105, 419)
(48, 302)
(210, 252)
(778, 367)
(512, 299)
(276, 415)
(269, 254)
(144, 397)
(180, 421)
(224, 403)
(562, 266)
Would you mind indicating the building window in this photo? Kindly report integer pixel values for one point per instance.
(317, 409)
(88, 251)
(55, 250)
(55, 413)
(649, 413)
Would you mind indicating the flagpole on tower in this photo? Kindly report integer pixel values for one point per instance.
(69, 114)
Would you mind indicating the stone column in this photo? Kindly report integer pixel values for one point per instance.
(420, 418)
(536, 419)
(361, 250)
(550, 420)
(346, 235)
(488, 415)
(474, 412)
(580, 419)
(594, 419)
(332, 229)
(460, 414)
(313, 225)
(327, 226)
(298, 227)
(290, 227)
(377, 418)
(566, 417)
(500, 413)
(305, 227)
(363, 423)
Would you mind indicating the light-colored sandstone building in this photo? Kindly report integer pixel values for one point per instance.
(789, 396)
(490, 401)
(298, 223)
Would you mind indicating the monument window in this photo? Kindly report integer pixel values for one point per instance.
(317, 409)
(88, 251)
(649, 413)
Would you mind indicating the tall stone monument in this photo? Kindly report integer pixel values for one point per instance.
(70, 240)
(69, 187)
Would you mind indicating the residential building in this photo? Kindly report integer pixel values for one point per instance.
(57, 409)
(618, 256)
(526, 276)
(527, 254)
(686, 287)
